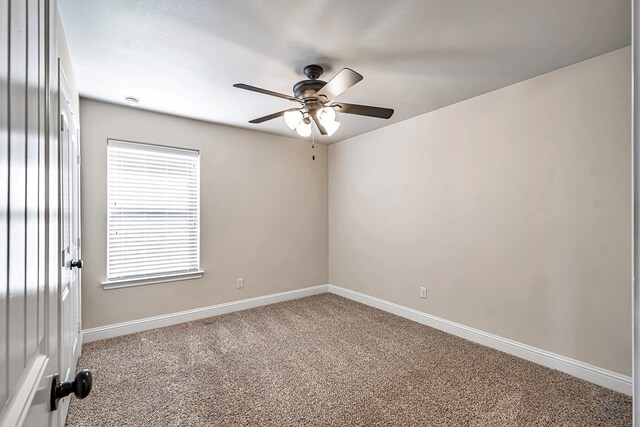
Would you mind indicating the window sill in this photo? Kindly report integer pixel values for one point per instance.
(127, 283)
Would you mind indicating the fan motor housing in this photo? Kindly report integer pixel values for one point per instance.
(307, 88)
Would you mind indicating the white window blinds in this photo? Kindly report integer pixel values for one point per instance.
(153, 211)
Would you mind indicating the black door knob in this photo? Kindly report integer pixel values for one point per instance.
(76, 264)
(80, 387)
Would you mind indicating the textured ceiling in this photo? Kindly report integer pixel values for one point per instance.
(182, 57)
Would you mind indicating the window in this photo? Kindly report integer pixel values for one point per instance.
(153, 214)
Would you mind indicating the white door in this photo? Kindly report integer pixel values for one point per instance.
(28, 213)
(70, 344)
(32, 226)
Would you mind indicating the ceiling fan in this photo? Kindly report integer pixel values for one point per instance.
(314, 97)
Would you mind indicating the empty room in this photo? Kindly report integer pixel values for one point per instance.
(318, 213)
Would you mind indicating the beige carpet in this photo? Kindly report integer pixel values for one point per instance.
(326, 361)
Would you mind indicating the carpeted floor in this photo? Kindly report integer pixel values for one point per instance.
(326, 361)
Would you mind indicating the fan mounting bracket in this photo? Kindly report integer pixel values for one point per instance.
(313, 71)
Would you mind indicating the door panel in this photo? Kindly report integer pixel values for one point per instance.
(42, 123)
(4, 195)
(32, 182)
(76, 278)
(17, 190)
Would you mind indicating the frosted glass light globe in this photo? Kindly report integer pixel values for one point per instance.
(292, 119)
(331, 127)
(304, 129)
(326, 115)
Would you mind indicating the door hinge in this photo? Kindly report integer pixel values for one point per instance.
(61, 123)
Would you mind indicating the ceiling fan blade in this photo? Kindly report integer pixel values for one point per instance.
(363, 110)
(338, 84)
(265, 91)
(321, 128)
(271, 116)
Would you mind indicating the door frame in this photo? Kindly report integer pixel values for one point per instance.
(635, 161)
(68, 366)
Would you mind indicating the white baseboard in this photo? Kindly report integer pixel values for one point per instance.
(585, 371)
(126, 328)
(603, 377)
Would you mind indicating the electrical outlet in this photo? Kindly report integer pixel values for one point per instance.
(423, 292)
(239, 283)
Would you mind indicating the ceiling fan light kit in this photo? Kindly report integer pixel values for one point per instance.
(296, 120)
(314, 97)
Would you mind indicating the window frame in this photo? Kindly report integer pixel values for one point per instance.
(117, 283)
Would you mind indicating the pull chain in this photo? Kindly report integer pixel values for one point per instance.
(313, 141)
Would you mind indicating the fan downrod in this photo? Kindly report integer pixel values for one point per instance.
(313, 71)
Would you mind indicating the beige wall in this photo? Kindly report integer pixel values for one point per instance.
(512, 208)
(263, 213)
